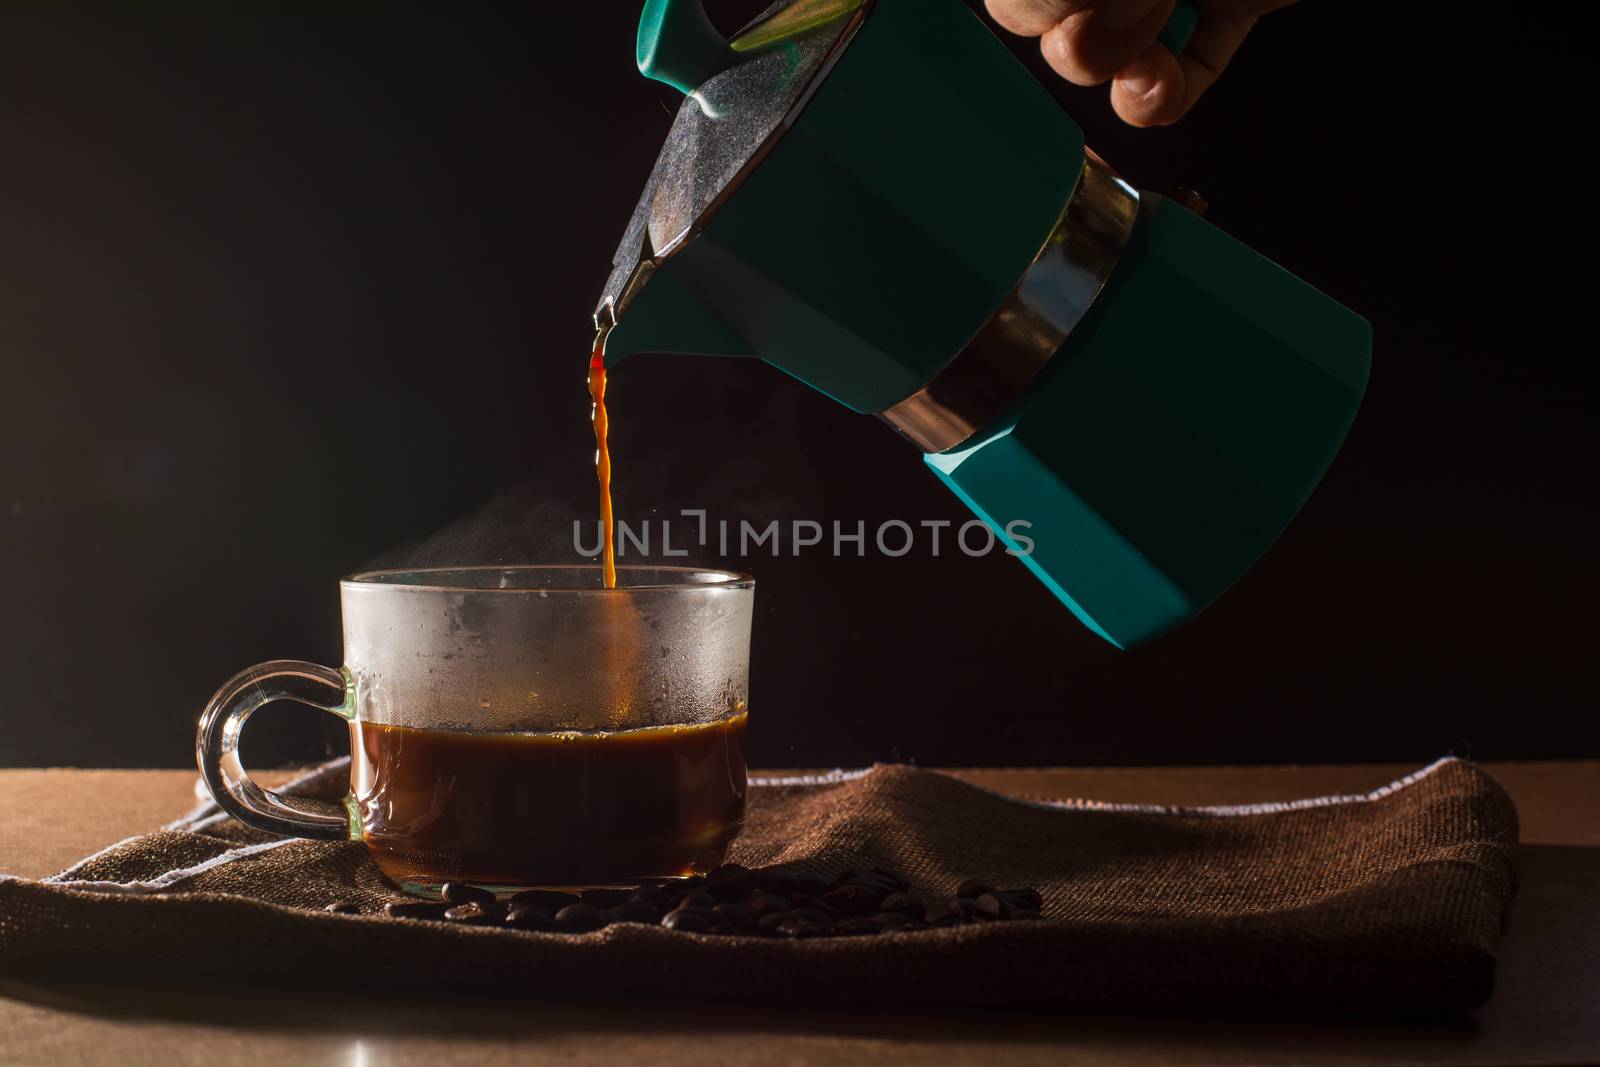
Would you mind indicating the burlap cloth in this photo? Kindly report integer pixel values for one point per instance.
(1390, 902)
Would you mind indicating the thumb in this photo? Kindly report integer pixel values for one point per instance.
(1159, 88)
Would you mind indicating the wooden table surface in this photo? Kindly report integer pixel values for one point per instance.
(1546, 1009)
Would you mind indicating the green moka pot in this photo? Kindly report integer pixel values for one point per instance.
(875, 197)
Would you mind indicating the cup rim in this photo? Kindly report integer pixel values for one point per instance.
(377, 579)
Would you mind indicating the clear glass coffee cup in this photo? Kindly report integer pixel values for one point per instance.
(518, 727)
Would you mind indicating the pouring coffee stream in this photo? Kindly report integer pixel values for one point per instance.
(876, 198)
(602, 459)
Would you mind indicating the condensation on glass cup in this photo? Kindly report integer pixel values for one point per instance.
(671, 645)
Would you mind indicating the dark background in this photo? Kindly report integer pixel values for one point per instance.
(290, 291)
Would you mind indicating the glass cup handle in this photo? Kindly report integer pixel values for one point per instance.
(216, 748)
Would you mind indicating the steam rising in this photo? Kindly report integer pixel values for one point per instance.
(734, 438)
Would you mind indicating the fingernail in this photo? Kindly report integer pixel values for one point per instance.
(1139, 78)
(1127, 15)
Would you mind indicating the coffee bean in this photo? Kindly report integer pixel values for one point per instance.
(1024, 899)
(766, 903)
(343, 907)
(701, 912)
(775, 879)
(860, 926)
(893, 878)
(989, 906)
(784, 879)
(601, 899)
(876, 877)
(580, 917)
(854, 898)
(893, 920)
(698, 898)
(462, 893)
(416, 909)
(648, 894)
(741, 919)
(634, 911)
(530, 917)
(723, 930)
(659, 895)
(732, 881)
(973, 888)
(949, 912)
(798, 928)
(806, 900)
(770, 921)
(816, 918)
(903, 904)
(662, 900)
(812, 885)
(473, 913)
(725, 872)
(690, 920)
(692, 882)
(733, 887)
(548, 899)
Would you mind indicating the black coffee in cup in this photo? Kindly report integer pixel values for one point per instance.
(549, 809)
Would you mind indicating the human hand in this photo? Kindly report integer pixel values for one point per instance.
(1089, 42)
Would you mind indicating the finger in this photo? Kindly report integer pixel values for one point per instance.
(1030, 18)
(1086, 49)
(1149, 91)
(1159, 88)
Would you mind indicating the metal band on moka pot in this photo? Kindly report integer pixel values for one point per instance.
(1029, 328)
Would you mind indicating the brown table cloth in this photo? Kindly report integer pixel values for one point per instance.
(1388, 902)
